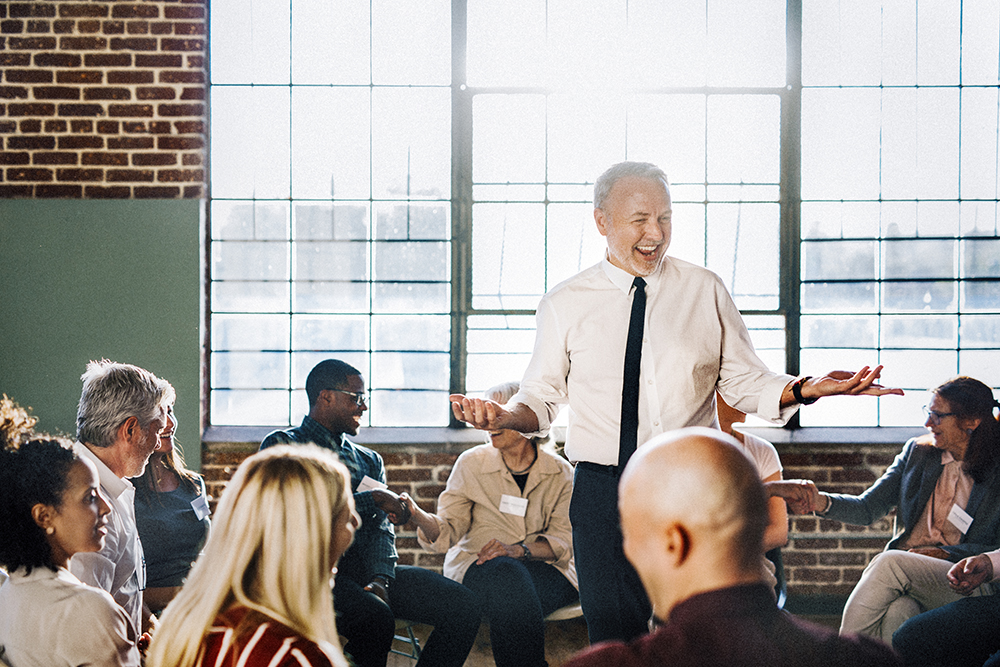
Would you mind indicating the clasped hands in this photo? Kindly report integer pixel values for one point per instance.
(495, 548)
(394, 507)
(970, 573)
(801, 495)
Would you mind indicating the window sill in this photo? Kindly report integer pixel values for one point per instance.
(468, 436)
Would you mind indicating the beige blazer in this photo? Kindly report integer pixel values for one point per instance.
(469, 516)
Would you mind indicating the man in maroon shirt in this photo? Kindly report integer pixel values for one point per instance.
(693, 513)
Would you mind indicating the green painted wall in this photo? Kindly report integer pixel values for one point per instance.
(82, 280)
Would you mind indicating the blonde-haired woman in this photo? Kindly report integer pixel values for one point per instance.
(261, 592)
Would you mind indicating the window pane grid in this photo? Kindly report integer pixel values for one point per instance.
(899, 179)
(336, 238)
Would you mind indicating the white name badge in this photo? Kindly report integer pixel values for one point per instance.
(960, 518)
(370, 484)
(200, 507)
(513, 505)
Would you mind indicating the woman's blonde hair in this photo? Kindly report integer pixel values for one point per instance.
(269, 551)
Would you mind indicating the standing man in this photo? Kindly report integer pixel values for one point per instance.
(371, 591)
(693, 513)
(122, 410)
(681, 337)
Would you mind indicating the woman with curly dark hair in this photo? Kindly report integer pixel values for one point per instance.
(52, 510)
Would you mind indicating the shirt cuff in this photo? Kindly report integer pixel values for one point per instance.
(769, 402)
(541, 410)
(364, 505)
(994, 557)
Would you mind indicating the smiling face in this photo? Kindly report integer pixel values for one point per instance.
(144, 442)
(635, 218)
(507, 439)
(950, 433)
(166, 436)
(79, 523)
(339, 412)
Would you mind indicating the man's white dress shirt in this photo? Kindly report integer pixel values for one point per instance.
(118, 568)
(694, 340)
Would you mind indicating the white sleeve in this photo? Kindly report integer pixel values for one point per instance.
(763, 454)
(994, 557)
(94, 630)
(94, 569)
(544, 387)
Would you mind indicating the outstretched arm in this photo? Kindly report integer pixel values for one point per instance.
(491, 416)
(424, 520)
(839, 383)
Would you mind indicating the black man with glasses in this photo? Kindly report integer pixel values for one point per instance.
(945, 487)
(371, 590)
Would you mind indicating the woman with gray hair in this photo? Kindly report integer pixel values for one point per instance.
(503, 520)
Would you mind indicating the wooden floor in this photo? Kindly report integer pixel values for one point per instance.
(562, 640)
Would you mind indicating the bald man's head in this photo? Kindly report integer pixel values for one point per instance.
(692, 502)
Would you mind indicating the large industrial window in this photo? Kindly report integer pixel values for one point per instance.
(396, 184)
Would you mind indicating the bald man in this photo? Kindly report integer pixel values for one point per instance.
(693, 515)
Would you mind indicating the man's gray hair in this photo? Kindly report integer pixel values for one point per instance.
(607, 180)
(112, 393)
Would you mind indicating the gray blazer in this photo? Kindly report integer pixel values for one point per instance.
(907, 485)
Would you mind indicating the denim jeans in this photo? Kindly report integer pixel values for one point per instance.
(959, 634)
(516, 596)
(417, 595)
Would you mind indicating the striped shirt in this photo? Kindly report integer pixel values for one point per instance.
(270, 644)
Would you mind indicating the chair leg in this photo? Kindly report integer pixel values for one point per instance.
(408, 638)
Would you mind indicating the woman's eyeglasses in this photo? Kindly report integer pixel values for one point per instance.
(936, 417)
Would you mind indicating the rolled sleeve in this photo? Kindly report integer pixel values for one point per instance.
(994, 557)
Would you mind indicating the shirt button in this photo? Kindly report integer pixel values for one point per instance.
(656, 423)
(650, 380)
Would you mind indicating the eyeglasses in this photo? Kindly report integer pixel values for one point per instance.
(359, 397)
(936, 417)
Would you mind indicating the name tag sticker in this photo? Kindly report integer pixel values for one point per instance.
(513, 505)
(960, 518)
(370, 484)
(200, 507)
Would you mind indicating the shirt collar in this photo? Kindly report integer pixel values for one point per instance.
(623, 279)
(946, 457)
(545, 465)
(317, 430)
(110, 482)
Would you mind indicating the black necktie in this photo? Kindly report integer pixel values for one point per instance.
(630, 378)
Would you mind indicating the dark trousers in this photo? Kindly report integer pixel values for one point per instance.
(959, 634)
(516, 596)
(614, 601)
(418, 595)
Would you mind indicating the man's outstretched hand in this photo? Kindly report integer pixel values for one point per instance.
(479, 412)
(843, 383)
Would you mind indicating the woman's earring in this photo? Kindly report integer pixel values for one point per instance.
(50, 531)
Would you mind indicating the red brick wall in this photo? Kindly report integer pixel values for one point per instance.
(823, 557)
(103, 99)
